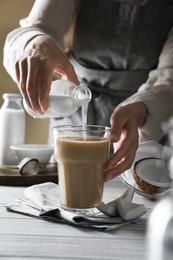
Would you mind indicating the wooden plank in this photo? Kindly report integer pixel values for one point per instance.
(71, 248)
(35, 227)
(12, 177)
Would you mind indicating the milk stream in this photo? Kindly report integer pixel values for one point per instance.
(84, 118)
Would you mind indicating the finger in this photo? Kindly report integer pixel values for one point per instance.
(32, 85)
(117, 121)
(68, 71)
(122, 166)
(128, 145)
(44, 85)
(127, 155)
(22, 72)
(71, 74)
(17, 71)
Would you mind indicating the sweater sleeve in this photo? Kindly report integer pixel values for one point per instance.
(48, 17)
(157, 94)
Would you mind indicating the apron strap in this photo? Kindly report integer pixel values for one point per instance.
(110, 82)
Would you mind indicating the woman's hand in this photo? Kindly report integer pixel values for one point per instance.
(34, 71)
(125, 121)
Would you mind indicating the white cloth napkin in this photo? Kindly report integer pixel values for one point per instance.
(42, 200)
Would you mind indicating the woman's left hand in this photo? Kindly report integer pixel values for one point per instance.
(125, 121)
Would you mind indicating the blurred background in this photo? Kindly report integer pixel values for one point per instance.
(11, 11)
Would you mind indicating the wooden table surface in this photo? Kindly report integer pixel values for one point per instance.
(23, 237)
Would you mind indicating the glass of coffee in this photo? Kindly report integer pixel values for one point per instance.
(81, 155)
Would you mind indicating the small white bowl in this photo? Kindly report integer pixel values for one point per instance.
(42, 152)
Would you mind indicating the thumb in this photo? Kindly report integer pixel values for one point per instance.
(73, 78)
(68, 72)
(117, 121)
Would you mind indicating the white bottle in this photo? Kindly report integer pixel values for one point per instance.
(64, 99)
(12, 127)
(160, 224)
(160, 230)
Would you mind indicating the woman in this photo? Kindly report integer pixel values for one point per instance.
(114, 47)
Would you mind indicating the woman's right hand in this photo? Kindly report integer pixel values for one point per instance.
(34, 70)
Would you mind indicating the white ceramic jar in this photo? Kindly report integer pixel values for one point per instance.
(12, 127)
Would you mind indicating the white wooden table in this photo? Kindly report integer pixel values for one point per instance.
(23, 237)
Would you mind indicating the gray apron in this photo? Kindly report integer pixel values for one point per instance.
(115, 47)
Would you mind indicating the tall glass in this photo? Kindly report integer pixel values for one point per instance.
(81, 156)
